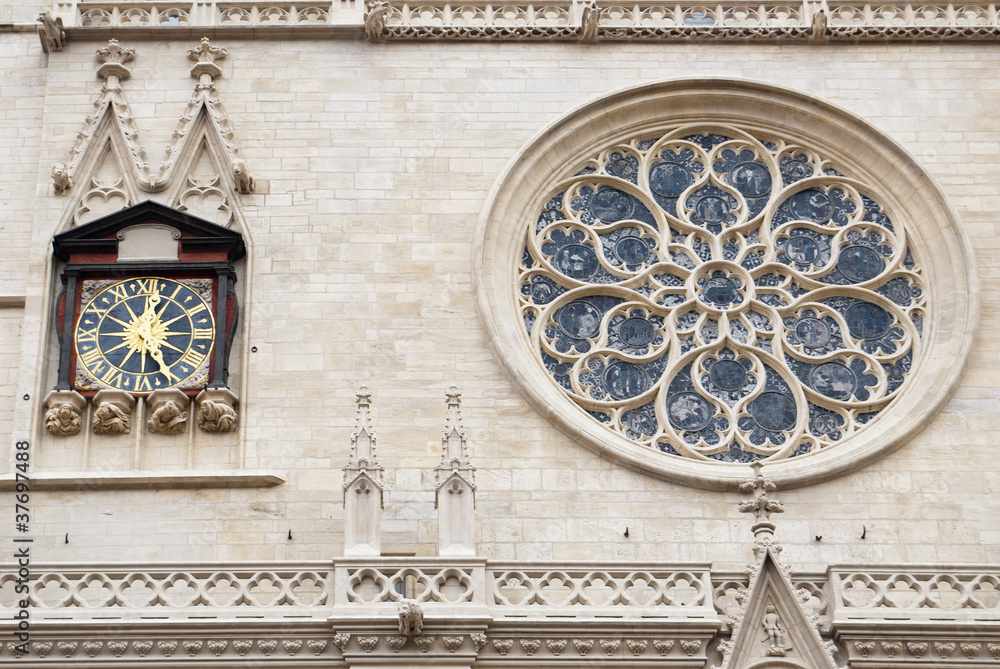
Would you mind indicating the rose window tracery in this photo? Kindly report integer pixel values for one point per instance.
(722, 295)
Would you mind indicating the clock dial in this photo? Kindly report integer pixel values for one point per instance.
(144, 334)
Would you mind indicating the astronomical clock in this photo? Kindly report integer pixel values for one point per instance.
(147, 302)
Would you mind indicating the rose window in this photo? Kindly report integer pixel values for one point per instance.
(716, 294)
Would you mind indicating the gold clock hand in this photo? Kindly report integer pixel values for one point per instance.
(157, 355)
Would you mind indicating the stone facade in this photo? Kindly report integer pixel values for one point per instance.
(357, 172)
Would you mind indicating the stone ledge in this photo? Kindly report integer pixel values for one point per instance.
(12, 301)
(234, 478)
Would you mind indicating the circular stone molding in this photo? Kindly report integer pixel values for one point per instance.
(690, 276)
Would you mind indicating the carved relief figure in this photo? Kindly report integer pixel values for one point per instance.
(62, 420)
(110, 419)
(216, 417)
(168, 419)
(775, 633)
(411, 618)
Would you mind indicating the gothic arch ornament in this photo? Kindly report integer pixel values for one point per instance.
(692, 275)
(109, 168)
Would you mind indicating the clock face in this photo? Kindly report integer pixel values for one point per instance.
(144, 334)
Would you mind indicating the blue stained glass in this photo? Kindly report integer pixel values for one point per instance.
(859, 263)
(812, 332)
(812, 205)
(631, 250)
(728, 375)
(868, 321)
(751, 179)
(689, 412)
(579, 320)
(611, 205)
(636, 331)
(576, 261)
(669, 179)
(802, 250)
(775, 412)
(834, 380)
(625, 379)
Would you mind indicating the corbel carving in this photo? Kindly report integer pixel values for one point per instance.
(51, 33)
(112, 412)
(64, 412)
(217, 410)
(167, 411)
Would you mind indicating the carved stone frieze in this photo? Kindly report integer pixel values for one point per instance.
(663, 646)
(530, 646)
(503, 646)
(556, 646)
(112, 412)
(64, 412)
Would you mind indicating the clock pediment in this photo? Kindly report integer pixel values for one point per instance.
(116, 237)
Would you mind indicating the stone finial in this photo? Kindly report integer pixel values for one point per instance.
(167, 411)
(761, 505)
(364, 444)
(64, 412)
(51, 33)
(454, 442)
(217, 410)
(112, 412)
(375, 20)
(113, 58)
(205, 56)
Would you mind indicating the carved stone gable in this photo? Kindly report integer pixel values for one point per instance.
(773, 625)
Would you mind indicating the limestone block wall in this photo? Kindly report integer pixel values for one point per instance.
(372, 164)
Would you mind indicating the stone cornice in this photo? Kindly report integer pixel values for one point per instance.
(559, 20)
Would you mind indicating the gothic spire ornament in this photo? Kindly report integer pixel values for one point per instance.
(455, 496)
(363, 485)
